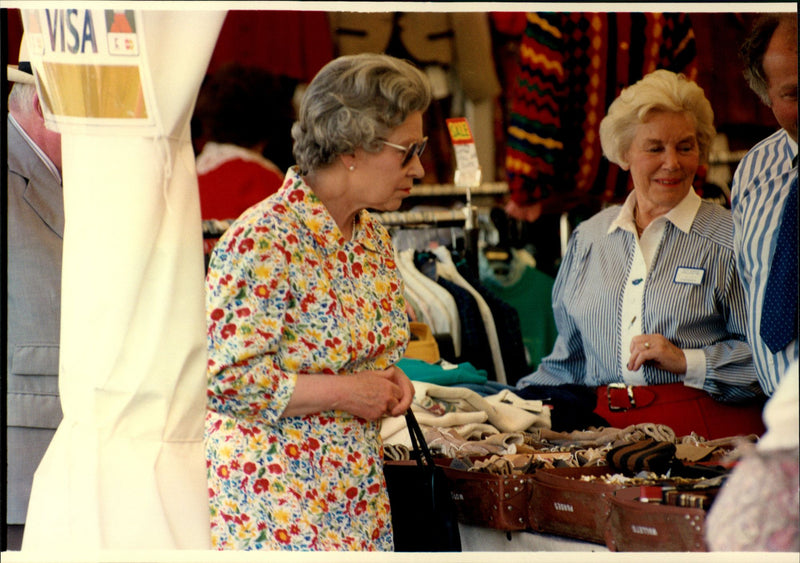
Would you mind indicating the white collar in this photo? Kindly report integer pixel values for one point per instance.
(682, 215)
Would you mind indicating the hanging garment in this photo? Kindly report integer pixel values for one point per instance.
(475, 343)
(295, 43)
(422, 262)
(529, 291)
(447, 269)
(419, 307)
(455, 51)
(450, 324)
(426, 291)
(507, 324)
(572, 66)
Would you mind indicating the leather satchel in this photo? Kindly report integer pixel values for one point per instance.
(564, 504)
(424, 517)
(491, 501)
(634, 525)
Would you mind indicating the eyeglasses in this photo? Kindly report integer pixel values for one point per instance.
(415, 148)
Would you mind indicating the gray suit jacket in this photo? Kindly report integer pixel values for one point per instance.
(35, 232)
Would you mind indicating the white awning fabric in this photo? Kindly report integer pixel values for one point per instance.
(126, 468)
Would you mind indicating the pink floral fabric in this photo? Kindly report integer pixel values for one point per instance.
(758, 507)
(287, 295)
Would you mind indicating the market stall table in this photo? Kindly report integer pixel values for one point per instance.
(476, 538)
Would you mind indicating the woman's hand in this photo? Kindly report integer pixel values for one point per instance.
(375, 394)
(402, 381)
(370, 394)
(655, 348)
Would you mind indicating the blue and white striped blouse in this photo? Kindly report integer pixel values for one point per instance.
(758, 192)
(701, 312)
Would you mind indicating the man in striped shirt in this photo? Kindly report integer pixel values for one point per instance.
(761, 188)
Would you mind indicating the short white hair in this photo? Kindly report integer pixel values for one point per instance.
(661, 90)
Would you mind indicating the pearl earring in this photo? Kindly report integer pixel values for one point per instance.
(352, 167)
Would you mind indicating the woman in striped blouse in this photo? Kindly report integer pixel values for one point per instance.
(648, 292)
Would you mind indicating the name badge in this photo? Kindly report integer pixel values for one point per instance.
(693, 276)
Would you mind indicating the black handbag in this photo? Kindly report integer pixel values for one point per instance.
(424, 516)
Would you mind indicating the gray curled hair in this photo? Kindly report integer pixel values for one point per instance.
(661, 90)
(354, 101)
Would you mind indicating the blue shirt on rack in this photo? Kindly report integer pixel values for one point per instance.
(684, 285)
(758, 193)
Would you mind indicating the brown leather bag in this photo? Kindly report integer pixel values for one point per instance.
(491, 501)
(564, 505)
(634, 525)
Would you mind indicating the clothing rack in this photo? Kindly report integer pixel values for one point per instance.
(214, 227)
(432, 190)
(471, 229)
(438, 217)
(463, 217)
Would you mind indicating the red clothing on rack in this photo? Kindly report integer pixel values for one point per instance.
(232, 187)
(231, 179)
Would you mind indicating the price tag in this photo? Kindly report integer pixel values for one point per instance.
(468, 169)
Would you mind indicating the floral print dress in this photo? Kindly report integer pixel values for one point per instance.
(287, 295)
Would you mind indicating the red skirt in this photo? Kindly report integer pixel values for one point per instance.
(682, 408)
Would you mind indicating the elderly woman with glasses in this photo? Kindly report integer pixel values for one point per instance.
(306, 321)
(649, 308)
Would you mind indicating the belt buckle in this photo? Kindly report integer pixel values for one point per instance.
(628, 388)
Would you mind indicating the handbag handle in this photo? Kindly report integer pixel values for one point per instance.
(418, 440)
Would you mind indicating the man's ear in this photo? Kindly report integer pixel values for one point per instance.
(37, 105)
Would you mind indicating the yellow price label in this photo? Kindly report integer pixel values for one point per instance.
(459, 130)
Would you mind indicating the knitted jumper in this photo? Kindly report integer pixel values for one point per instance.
(571, 67)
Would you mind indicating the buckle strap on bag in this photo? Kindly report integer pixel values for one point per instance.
(612, 406)
(620, 397)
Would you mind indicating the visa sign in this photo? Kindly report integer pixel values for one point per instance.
(71, 31)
